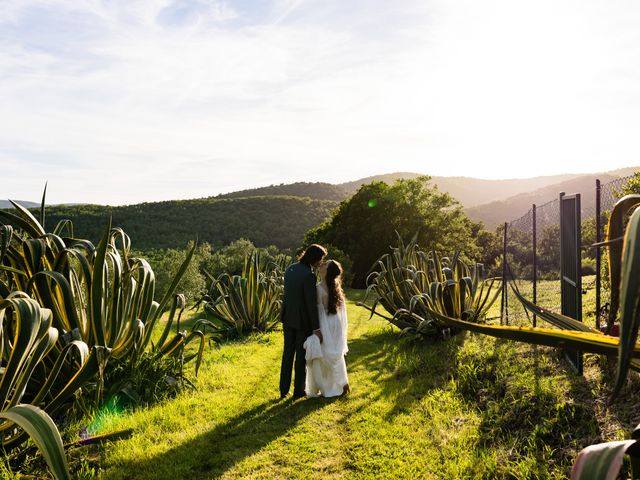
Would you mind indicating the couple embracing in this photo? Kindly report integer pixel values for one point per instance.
(314, 321)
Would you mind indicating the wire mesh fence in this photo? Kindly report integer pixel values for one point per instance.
(520, 256)
(533, 256)
(532, 251)
(611, 192)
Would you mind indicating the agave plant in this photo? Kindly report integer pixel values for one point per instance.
(409, 282)
(567, 332)
(246, 303)
(27, 338)
(81, 306)
(101, 295)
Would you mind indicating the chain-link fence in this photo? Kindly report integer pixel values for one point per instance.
(533, 259)
(532, 252)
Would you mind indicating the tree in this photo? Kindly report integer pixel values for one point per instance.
(632, 185)
(549, 252)
(229, 259)
(364, 226)
(165, 265)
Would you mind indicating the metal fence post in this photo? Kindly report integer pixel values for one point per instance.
(598, 252)
(504, 308)
(535, 263)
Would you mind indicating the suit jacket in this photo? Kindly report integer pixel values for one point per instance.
(300, 302)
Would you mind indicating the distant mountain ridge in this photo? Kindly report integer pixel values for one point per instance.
(470, 191)
(24, 203)
(281, 214)
(494, 213)
(315, 190)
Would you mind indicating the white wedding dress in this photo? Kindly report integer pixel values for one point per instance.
(326, 368)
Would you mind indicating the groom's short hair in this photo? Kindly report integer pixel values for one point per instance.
(313, 254)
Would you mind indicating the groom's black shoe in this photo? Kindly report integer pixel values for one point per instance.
(298, 395)
(283, 396)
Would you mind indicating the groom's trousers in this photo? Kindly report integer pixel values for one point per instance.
(293, 348)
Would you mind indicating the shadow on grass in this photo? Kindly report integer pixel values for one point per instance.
(531, 405)
(214, 452)
(597, 387)
(402, 369)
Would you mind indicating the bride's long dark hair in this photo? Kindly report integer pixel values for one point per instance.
(334, 285)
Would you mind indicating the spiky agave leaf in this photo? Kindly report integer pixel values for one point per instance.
(27, 338)
(615, 232)
(44, 434)
(601, 461)
(585, 341)
(629, 297)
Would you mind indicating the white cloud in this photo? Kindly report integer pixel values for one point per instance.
(155, 99)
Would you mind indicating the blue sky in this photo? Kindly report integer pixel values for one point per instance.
(119, 102)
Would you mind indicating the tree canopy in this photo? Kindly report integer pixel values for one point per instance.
(365, 226)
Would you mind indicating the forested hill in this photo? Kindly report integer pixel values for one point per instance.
(315, 190)
(276, 220)
(494, 213)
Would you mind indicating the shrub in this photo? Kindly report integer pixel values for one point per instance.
(249, 302)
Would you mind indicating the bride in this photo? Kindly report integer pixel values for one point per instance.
(326, 368)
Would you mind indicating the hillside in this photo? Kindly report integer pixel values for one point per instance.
(280, 221)
(316, 190)
(281, 214)
(24, 203)
(471, 192)
(352, 187)
(494, 213)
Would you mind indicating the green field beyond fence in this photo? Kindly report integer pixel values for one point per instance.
(548, 297)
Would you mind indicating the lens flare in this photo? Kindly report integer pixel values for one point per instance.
(372, 203)
(113, 408)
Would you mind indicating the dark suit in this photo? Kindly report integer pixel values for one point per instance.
(299, 318)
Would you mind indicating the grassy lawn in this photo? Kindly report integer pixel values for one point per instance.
(470, 407)
(548, 296)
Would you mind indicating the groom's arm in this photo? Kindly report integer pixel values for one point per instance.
(311, 301)
(282, 311)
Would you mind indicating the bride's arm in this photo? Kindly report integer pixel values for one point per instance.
(345, 323)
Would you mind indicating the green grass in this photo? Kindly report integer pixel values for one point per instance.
(548, 296)
(469, 407)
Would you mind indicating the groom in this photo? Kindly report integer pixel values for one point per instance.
(299, 317)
